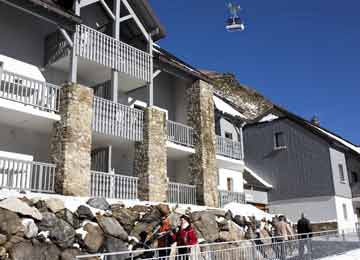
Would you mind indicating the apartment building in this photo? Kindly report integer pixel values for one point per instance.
(308, 166)
(90, 105)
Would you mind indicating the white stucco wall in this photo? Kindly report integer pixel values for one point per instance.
(317, 209)
(237, 177)
(24, 141)
(343, 223)
(341, 188)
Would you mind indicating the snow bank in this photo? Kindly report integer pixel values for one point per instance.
(351, 255)
(247, 210)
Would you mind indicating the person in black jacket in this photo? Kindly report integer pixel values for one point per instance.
(304, 230)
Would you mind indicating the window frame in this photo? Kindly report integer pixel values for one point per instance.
(341, 173)
(229, 133)
(277, 145)
(354, 177)
(345, 211)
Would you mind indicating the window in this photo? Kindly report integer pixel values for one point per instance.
(279, 140)
(341, 173)
(230, 184)
(354, 177)
(228, 135)
(345, 212)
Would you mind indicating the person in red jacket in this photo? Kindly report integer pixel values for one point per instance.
(186, 236)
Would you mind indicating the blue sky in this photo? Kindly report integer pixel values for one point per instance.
(303, 55)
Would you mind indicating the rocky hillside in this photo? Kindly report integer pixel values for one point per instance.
(248, 101)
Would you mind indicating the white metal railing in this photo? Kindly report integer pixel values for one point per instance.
(180, 133)
(113, 186)
(115, 119)
(28, 91)
(106, 50)
(229, 148)
(226, 197)
(300, 247)
(181, 193)
(27, 175)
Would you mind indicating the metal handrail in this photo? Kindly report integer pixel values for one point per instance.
(115, 119)
(181, 193)
(229, 148)
(28, 91)
(180, 133)
(25, 175)
(113, 186)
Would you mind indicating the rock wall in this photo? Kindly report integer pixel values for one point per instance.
(150, 164)
(203, 169)
(71, 141)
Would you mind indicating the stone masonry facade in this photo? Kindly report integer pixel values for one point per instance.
(150, 164)
(71, 141)
(201, 117)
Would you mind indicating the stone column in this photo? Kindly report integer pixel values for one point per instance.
(201, 117)
(71, 141)
(150, 164)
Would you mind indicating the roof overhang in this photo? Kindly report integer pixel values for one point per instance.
(47, 10)
(148, 18)
(257, 178)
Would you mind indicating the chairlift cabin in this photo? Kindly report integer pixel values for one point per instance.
(234, 23)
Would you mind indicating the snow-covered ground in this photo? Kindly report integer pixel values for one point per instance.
(351, 255)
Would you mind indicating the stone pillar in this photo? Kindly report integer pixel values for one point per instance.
(150, 164)
(71, 141)
(201, 117)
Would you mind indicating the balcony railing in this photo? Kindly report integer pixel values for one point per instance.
(115, 119)
(180, 133)
(181, 193)
(24, 175)
(27, 91)
(98, 47)
(226, 197)
(113, 186)
(229, 148)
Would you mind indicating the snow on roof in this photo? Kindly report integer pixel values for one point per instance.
(268, 118)
(256, 176)
(225, 107)
(339, 139)
(22, 68)
(247, 210)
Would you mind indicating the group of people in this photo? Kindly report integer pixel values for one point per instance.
(181, 240)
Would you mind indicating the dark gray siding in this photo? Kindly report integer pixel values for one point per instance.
(303, 169)
(353, 164)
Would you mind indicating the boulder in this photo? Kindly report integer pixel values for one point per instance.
(174, 219)
(30, 228)
(3, 239)
(38, 251)
(229, 215)
(14, 240)
(235, 233)
(94, 237)
(20, 207)
(112, 227)
(3, 253)
(239, 220)
(116, 245)
(84, 212)
(98, 203)
(126, 217)
(69, 217)
(207, 226)
(10, 223)
(54, 204)
(40, 205)
(60, 232)
(70, 254)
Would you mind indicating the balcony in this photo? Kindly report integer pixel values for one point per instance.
(29, 92)
(179, 193)
(99, 53)
(113, 186)
(229, 148)
(117, 120)
(22, 175)
(180, 134)
(226, 197)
